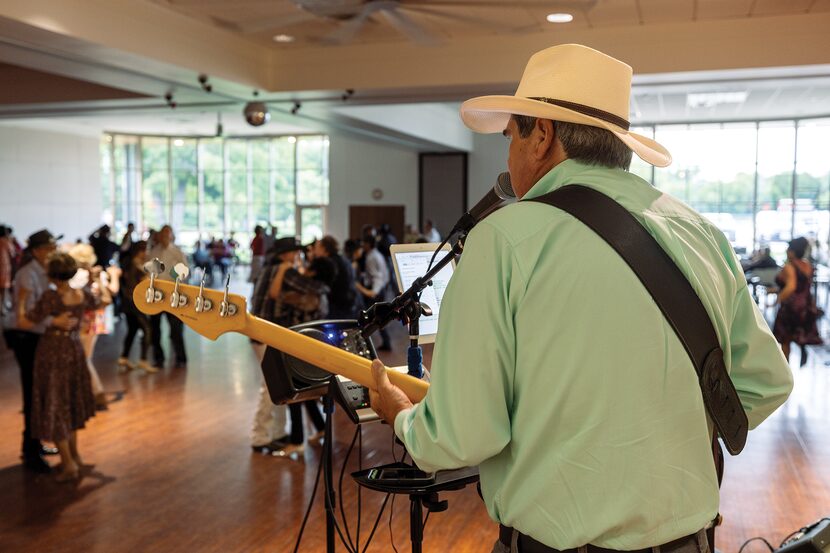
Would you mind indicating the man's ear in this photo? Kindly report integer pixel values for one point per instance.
(545, 138)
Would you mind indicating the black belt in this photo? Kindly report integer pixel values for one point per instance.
(526, 544)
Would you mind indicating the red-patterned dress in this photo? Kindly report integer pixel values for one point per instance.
(62, 398)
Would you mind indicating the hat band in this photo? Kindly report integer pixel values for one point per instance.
(587, 110)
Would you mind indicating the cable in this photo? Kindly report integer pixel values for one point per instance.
(426, 518)
(391, 535)
(329, 503)
(359, 488)
(758, 538)
(438, 249)
(377, 520)
(340, 488)
(310, 503)
(791, 534)
(803, 530)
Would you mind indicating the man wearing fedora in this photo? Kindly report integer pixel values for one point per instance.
(30, 282)
(554, 370)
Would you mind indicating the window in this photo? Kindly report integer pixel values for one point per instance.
(215, 187)
(761, 183)
(812, 186)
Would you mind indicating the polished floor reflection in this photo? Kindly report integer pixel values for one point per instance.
(173, 470)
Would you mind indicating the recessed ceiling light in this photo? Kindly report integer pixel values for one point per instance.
(559, 17)
(292, 139)
(178, 142)
(283, 38)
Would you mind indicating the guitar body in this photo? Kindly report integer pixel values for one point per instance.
(228, 313)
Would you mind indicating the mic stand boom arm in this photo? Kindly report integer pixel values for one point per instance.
(405, 306)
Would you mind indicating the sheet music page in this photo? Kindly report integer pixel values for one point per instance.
(413, 265)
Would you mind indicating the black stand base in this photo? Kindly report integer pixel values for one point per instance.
(420, 495)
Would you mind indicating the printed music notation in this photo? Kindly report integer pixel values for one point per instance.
(413, 265)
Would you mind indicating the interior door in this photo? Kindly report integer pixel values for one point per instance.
(376, 215)
(443, 189)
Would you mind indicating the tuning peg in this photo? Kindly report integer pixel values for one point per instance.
(154, 268)
(202, 303)
(180, 272)
(227, 309)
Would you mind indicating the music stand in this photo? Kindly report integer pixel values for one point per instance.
(420, 494)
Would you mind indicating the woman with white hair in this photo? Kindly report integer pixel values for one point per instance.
(95, 321)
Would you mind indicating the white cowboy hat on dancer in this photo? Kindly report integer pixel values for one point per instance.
(571, 83)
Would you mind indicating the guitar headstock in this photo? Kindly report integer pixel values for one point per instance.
(211, 313)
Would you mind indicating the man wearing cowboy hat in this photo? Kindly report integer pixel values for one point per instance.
(30, 282)
(554, 370)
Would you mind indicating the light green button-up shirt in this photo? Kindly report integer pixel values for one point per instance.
(556, 373)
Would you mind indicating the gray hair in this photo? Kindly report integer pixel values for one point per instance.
(591, 145)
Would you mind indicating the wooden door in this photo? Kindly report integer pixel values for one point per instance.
(392, 215)
(443, 189)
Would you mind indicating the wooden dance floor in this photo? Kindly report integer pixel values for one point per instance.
(173, 470)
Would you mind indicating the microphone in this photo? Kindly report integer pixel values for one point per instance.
(502, 191)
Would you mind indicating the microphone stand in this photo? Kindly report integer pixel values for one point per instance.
(407, 309)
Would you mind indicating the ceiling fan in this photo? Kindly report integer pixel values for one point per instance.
(352, 15)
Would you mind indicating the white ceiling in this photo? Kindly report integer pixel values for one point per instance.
(754, 94)
(666, 98)
(442, 20)
(210, 37)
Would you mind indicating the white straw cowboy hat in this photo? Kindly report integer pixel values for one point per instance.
(571, 83)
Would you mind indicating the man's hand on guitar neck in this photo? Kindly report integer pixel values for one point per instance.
(389, 400)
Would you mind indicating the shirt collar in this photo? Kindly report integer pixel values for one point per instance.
(567, 172)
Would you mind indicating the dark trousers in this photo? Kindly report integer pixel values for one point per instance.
(176, 338)
(137, 321)
(24, 344)
(313, 410)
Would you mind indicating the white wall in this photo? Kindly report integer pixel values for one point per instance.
(356, 167)
(49, 180)
(485, 162)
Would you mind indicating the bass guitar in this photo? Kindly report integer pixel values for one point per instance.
(212, 313)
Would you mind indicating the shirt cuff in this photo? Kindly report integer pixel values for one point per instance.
(400, 421)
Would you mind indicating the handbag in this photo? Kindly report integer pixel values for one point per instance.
(307, 303)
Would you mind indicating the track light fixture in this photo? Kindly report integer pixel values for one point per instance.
(219, 128)
(348, 94)
(296, 108)
(169, 98)
(206, 86)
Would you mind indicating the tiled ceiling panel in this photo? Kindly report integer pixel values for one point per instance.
(663, 11)
(820, 6)
(614, 13)
(721, 9)
(780, 7)
(449, 19)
